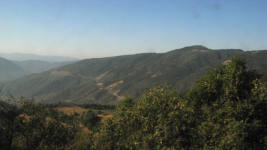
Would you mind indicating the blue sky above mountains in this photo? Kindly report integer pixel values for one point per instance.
(98, 28)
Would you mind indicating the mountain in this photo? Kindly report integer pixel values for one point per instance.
(105, 80)
(37, 66)
(24, 56)
(9, 70)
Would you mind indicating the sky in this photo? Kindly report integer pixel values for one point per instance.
(100, 28)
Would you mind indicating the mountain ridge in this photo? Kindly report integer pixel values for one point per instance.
(9, 70)
(105, 80)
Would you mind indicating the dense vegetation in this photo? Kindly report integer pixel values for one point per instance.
(226, 109)
(34, 126)
(105, 80)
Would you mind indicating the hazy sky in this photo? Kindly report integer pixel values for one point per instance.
(97, 28)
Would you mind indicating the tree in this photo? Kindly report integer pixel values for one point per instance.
(115, 132)
(8, 123)
(227, 109)
(90, 119)
(160, 119)
(42, 127)
(230, 102)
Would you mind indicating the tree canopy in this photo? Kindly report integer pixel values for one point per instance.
(225, 110)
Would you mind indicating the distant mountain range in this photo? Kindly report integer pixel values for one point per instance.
(10, 70)
(105, 80)
(13, 66)
(37, 66)
(26, 57)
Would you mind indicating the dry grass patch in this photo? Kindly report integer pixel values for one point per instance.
(99, 84)
(72, 109)
(104, 116)
(115, 84)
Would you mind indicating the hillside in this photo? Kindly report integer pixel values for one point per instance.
(105, 80)
(9, 70)
(37, 66)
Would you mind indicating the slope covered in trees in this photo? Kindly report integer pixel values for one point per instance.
(105, 80)
(226, 109)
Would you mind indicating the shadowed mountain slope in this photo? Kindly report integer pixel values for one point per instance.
(9, 70)
(37, 66)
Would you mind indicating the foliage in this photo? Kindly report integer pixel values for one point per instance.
(8, 124)
(159, 120)
(37, 127)
(227, 101)
(225, 110)
(90, 119)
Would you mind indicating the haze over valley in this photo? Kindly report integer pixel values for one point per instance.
(13, 66)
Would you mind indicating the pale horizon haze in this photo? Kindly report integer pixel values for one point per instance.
(101, 28)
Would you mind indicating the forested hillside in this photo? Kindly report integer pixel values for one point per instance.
(226, 109)
(105, 80)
